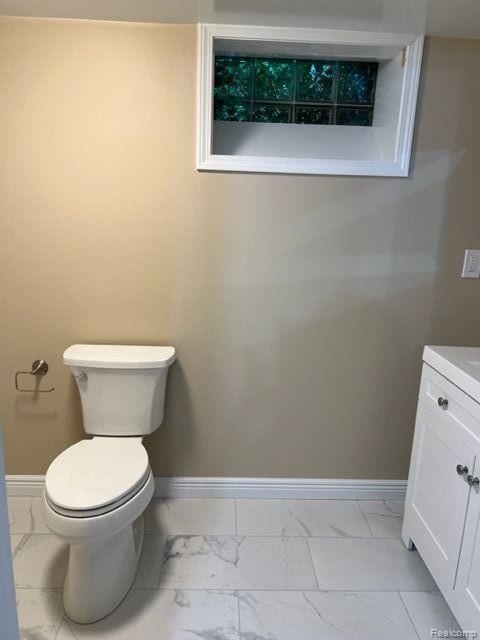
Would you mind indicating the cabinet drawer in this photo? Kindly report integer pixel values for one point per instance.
(451, 405)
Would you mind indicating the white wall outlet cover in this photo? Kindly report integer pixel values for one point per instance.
(471, 264)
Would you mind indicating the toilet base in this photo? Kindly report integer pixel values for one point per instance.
(101, 572)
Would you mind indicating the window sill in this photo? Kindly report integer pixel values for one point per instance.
(305, 166)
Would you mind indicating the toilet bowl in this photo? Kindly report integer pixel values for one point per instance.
(105, 533)
(97, 490)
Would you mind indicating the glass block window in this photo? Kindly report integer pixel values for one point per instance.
(340, 92)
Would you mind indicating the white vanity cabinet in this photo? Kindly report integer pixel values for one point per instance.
(442, 509)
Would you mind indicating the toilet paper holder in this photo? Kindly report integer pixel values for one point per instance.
(39, 368)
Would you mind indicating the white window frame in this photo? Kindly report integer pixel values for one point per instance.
(367, 41)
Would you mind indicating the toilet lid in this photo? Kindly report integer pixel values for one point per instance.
(97, 472)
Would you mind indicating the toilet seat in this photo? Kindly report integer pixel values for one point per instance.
(90, 513)
(96, 476)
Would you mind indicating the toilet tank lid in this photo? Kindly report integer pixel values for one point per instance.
(116, 356)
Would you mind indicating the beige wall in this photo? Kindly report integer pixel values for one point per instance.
(298, 305)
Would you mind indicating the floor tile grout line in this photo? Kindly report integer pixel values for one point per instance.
(246, 589)
(56, 589)
(277, 536)
(409, 616)
(268, 499)
(248, 535)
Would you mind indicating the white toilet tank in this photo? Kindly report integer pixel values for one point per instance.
(122, 387)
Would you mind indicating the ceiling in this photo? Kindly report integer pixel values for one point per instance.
(454, 18)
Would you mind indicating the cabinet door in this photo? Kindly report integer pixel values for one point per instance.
(467, 587)
(437, 496)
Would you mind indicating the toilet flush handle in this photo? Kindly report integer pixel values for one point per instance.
(82, 377)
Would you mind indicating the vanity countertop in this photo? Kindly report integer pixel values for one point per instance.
(461, 365)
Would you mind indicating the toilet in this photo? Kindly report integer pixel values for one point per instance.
(97, 490)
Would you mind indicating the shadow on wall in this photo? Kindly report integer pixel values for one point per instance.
(179, 432)
(408, 16)
(298, 305)
(451, 78)
(321, 316)
(27, 409)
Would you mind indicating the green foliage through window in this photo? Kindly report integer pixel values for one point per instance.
(340, 92)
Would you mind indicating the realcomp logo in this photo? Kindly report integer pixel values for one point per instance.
(453, 633)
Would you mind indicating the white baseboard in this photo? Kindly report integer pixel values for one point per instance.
(28, 486)
(300, 488)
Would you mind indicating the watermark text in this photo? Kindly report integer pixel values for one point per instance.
(453, 633)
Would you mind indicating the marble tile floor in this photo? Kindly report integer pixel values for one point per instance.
(221, 569)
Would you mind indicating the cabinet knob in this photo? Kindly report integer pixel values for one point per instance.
(462, 469)
(442, 402)
(473, 482)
